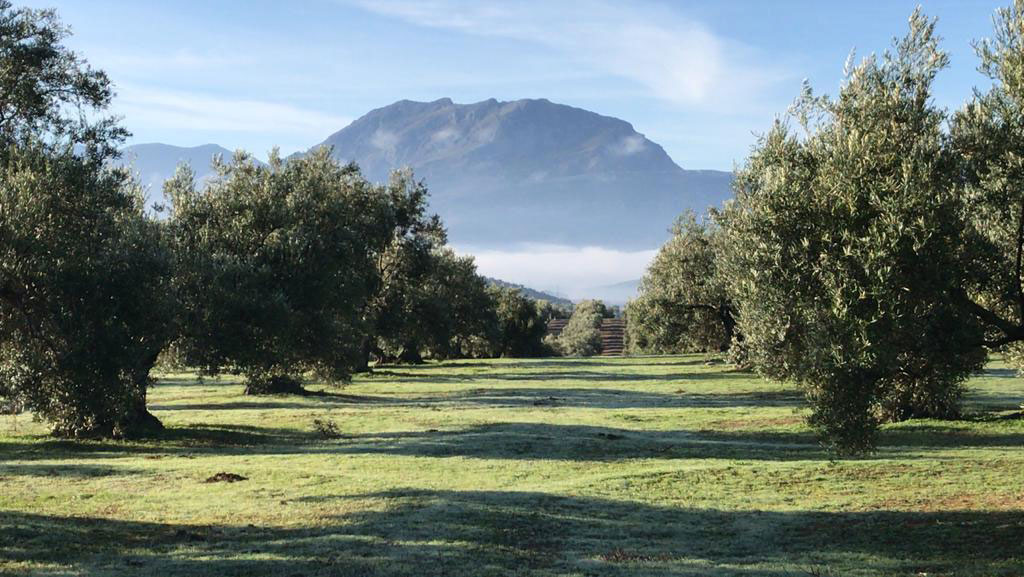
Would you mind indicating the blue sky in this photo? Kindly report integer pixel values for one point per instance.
(699, 78)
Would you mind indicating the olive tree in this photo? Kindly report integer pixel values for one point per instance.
(988, 141)
(273, 265)
(581, 336)
(522, 324)
(683, 305)
(402, 261)
(465, 308)
(47, 89)
(445, 308)
(844, 250)
(84, 280)
(83, 272)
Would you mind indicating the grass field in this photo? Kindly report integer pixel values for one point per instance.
(653, 466)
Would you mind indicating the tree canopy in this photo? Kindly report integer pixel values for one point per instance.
(581, 336)
(872, 256)
(273, 266)
(46, 89)
(83, 272)
(683, 305)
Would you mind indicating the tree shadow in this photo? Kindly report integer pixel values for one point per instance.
(553, 363)
(540, 396)
(605, 398)
(538, 441)
(196, 381)
(172, 441)
(80, 471)
(440, 532)
(543, 441)
(1000, 373)
(599, 376)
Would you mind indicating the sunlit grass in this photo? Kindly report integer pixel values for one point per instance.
(648, 466)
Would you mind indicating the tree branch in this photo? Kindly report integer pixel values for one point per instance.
(1011, 332)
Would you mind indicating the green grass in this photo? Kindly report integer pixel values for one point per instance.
(654, 466)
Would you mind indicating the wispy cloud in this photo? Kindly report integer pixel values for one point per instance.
(203, 112)
(134, 64)
(675, 58)
(570, 271)
(630, 145)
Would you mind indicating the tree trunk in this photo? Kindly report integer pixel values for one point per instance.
(728, 321)
(139, 422)
(411, 355)
(363, 360)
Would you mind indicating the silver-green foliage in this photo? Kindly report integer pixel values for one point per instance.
(84, 279)
(274, 266)
(84, 274)
(581, 336)
(988, 139)
(845, 249)
(683, 305)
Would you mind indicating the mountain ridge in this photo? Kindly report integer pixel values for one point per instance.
(531, 171)
(537, 295)
(509, 172)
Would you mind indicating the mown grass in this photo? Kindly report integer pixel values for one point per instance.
(648, 466)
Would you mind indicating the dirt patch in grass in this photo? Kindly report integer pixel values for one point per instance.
(959, 502)
(223, 477)
(756, 423)
(623, 556)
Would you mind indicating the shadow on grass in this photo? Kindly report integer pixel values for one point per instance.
(541, 441)
(593, 398)
(463, 533)
(77, 470)
(1000, 373)
(195, 381)
(607, 398)
(556, 363)
(173, 441)
(508, 373)
(508, 440)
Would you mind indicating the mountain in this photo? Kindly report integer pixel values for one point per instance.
(500, 174)
(616, 294)
(531, 171)
(532, 293)
(154, 163)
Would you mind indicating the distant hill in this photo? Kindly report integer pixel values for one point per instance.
(531, 171)
(505, 173)
(154, 163)
(532, 293)
(616, 294)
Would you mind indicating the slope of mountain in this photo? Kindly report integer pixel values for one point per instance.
(616, 294)
(531, 171)
(154, 163)
(532, 293)
(506, 173)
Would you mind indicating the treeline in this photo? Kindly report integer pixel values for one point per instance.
(873, 251)
(275, 272)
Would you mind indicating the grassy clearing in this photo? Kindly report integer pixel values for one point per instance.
(654, 466)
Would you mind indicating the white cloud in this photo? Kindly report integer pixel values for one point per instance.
(384, 140)
(569, 271)
(177, 110)
(122, 63)
(444, 135)
(630, 145)
(675, 58)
